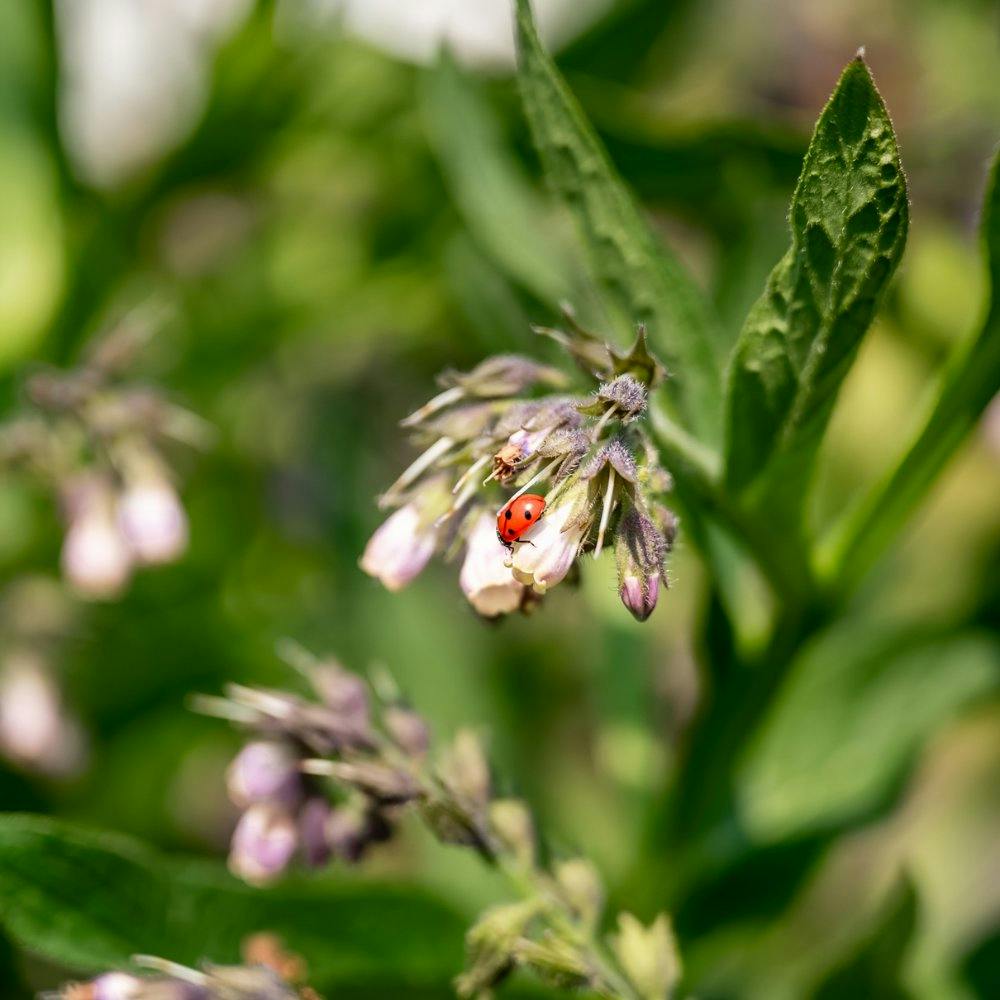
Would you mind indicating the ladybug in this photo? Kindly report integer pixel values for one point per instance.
(517, 516)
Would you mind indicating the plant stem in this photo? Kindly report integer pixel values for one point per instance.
(697, 471)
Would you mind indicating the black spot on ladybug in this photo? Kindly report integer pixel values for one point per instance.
(527, 515)
(510, 532)
(508, 515)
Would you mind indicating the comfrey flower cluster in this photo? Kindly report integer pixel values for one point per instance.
(287, 811)
(487, 443)
(327, 777)
(268, 974)
(98, 442)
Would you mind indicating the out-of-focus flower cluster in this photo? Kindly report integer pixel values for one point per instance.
(326, 777)
(38, 730)
(99, 443)
(268, 973)
(589, 455)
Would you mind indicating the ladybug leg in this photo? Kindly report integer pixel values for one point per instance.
(524, 541)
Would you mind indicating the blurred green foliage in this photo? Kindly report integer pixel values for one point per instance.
(334, 229)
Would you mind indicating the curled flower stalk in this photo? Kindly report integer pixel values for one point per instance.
(326, 777)
(512, 425)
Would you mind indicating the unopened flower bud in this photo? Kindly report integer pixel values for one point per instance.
(465, 770)
(152, 520)
(581, 884)
(503, 375)
(264, 771)
(408, 729)
(626, 394)
(511, 822)
(640, 595)
(344, 692)
(96, 558)
(640, 550)
(490, 944)
(314, 817)
(485, 579)
(648, 955)
(263, 844)
(348, 833)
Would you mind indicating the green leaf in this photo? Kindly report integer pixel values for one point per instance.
(91, 900)
(504, 213)
(642, 280)
(856, 707)
(969, 382)
(849, 220)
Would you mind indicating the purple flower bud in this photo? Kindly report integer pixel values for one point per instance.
(344, 692)
(640, 597)
(347, 833)
(503, 375)
(314, 839)
(409, 730)
(640, 549)
(263, 844)
(264, 771)
(626, 393)
(116, 986)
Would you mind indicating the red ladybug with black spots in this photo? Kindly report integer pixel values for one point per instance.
(516, 516)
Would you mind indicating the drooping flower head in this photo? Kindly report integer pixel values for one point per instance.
(101, 443)
(489, 437)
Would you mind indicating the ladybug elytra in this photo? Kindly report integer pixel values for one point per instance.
(517, 516)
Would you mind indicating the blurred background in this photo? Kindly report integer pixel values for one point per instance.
(325, 215)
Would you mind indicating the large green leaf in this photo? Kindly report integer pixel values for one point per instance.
(970, 381)
(857, 706)
(91, 900)
(642, 279)
(849, 221)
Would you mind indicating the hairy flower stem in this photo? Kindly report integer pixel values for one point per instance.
(605, 512)
(698, 475)
(537, 884)
(528, 883)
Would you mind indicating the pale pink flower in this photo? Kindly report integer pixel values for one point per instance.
(264, 841)
(264, 771)
(486, 579)
(34, 729)
(555, 542)
(400, 548)
(96, 559)
(152, 520)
